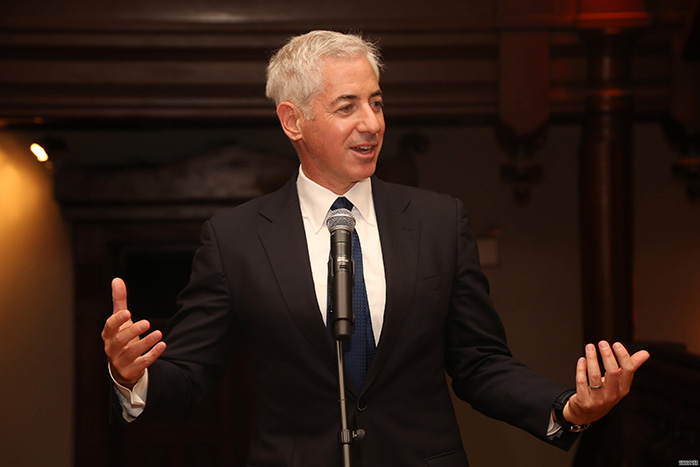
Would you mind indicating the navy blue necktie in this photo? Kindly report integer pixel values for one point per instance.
(360, 350)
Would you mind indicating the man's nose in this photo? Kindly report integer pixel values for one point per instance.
(371, 120)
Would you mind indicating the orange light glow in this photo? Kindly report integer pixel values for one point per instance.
(39, 152)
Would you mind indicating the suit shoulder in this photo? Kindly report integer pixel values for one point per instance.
(419, 196)
(238, 212)
(271, 205)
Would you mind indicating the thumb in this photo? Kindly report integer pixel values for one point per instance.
(118, 295)
(638, 358)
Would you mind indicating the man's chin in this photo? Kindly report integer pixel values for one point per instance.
(367, 170)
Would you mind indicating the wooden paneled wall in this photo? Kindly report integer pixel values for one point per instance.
(183, 60)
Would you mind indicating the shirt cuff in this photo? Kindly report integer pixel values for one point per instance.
(133, 401)
(554, 430)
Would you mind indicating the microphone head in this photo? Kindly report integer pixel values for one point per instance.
(340, 219)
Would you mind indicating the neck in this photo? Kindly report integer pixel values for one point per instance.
(338, 188)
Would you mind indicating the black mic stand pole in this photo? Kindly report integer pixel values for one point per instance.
(341, 275)
(345, 435)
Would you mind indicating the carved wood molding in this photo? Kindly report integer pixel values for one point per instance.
(194, 188)
(185, 62)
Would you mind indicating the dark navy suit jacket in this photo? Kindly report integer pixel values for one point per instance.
(251, 285)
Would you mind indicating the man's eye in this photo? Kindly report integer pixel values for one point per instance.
(378, 105)
(346, 109)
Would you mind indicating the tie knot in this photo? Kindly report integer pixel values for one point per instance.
(340, 203)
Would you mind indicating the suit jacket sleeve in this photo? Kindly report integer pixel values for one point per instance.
(483, 371)
(200, 338)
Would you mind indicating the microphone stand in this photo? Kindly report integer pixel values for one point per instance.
(345, 436)
(341, 274)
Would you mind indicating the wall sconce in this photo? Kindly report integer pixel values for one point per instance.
(39, 151)
(49, 148)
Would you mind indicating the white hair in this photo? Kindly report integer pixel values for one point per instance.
(295, 71)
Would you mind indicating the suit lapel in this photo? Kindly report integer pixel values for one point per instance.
(284, 241)
(399, 233)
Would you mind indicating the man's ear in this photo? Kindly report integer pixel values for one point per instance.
(290, 117)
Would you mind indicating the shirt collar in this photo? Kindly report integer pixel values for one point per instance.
(316, 200)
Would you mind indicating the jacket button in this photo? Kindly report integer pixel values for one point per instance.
(361, 405)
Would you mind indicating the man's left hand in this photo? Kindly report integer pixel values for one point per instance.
(596, 393)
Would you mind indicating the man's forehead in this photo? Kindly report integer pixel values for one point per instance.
(329, 64)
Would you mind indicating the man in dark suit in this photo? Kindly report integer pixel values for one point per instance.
(259, 280)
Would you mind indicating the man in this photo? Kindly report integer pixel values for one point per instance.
(260, 279)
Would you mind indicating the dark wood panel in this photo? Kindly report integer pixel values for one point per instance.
(184, 60)
(360, 13)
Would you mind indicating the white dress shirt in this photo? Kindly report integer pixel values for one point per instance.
(316, 202)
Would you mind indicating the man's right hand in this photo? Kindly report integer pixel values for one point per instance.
(128, 355)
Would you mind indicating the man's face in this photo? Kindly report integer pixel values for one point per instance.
(340, 144)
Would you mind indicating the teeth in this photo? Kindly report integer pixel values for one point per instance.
(364, 148)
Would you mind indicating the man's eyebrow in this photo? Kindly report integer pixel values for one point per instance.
(344, 97)
(353, 97)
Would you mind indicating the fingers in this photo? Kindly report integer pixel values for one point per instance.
(151, 356)
(116, 334)
(130, 360)
(114, 323)
(120, 315)
(579, 406)
(128, 354)
(129, 334)
(138, 349)
(619, 366)
(595, 378)
(122, 344)
(610, 362)
(596, 393)
(129, 372)
(581, 376)
(623, 358)
(118, 295)
(628, 364)
(611, 365)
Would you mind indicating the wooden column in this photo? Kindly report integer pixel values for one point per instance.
(605, 183)
(682, 125)
(523, 108)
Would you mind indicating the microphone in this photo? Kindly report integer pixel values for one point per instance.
(341, 273)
